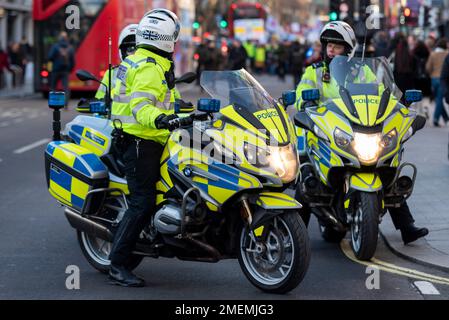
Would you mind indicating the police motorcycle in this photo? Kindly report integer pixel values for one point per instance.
(354, 143)
(220, 193)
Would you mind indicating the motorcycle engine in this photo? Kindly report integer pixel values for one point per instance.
(168, 219)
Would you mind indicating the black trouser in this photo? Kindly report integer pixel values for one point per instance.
(401, 216)
(142, 169)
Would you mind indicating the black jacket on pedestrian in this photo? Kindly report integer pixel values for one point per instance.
(445, 79)
(237, 58)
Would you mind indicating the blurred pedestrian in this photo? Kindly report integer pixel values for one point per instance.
(4, 66)
(297, 55)
(212, 55)
(403, 65)
(16, 64)
(381, 45)
(260, 58)
(200, 53)
(421, 78)
(434, 67)
(282, 60)
(237, 56)
(63, 61)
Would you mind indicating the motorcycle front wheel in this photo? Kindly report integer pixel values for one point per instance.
(365, 225)
(278, 263)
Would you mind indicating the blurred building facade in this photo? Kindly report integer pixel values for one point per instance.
(15, 21)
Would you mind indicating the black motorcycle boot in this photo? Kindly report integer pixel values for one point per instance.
(411, 233)
(121, 276)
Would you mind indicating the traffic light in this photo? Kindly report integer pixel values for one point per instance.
(334, 7)
(410, 17)
(223, 24)
(333, 16)
(196, 25)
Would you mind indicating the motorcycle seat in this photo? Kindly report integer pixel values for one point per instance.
(114, 165)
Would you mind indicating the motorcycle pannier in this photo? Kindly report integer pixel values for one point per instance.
(72, 171)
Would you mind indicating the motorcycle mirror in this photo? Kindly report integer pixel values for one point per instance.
(288, 98)
(84, 75)
(188, 77)
(413, 96)
(208, 105)
(310, 95)
(302, 120)
(419, 123)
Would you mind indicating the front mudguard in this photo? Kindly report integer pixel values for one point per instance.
(267, 206)
(364, 182)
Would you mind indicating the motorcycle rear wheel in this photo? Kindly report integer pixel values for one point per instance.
(280, 262)
(96, 251)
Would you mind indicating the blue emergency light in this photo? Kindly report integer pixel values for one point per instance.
(208, 105)
(413, 96)
(311, 95)
(289, 98)
(97, 107)
(56, 99)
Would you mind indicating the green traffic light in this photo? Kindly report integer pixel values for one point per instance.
(223, 24)
(333, 16)
(196, 25)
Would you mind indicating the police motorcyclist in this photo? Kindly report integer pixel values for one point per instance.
(127, 46)
(338, 38)
(143, 99)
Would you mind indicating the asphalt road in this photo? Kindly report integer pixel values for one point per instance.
(37, 244)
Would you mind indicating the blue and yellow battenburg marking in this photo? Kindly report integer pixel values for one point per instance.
(73, 172)
(90, 139)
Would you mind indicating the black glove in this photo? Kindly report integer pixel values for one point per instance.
(170, 122)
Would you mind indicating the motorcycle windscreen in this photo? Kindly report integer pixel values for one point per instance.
(363, 88)
(248, 104)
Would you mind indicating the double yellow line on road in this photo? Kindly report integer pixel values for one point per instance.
(391, 268)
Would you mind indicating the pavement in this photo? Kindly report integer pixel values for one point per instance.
(428, 150)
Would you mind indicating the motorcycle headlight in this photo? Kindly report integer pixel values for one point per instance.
(367, 147)
(342, 139)
(389, 140)
(282, 160)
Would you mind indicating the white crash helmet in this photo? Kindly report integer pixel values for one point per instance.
(127, 40)
(339, 32)
(159, 28)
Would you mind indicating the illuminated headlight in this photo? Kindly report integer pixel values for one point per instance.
(367, 147)
(342, 139)
(282, 160)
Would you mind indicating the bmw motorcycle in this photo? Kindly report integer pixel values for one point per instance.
(352, 145)
(220, 193)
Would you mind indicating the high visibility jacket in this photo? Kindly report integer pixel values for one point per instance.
(101, 91)
(250, 49)
(313, 79)
(260, 55)
(140, 95)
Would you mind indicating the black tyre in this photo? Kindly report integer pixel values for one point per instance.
(305, 212)
(280, 262)
(331, 235)
(365, 227)
(96, 251)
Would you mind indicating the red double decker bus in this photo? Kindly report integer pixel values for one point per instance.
(246, 21)
(97, 20)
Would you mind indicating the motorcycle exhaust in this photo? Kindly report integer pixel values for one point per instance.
(88, 226)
